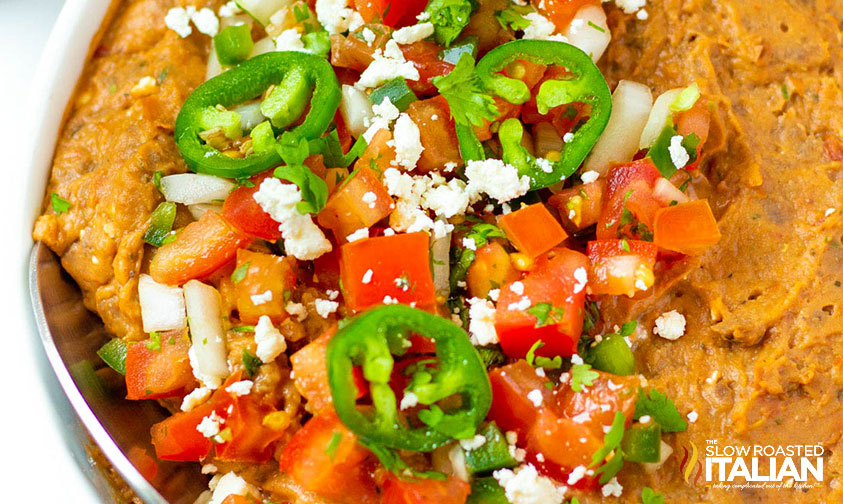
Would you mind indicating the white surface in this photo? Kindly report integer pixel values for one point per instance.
(36, 421)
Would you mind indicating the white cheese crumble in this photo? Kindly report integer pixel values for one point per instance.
(385, 113)
(178, 20)
(206, 22)
(577, 474)
(520, 305)
(495, 178)
(612, 488)
(693, 416)
(389, 63)
(494, 294)
(630, 6)
(231, 484)
(259, 299)
(228, 10)
(576, 359)
(302, 237)
(581, 276)
(210, 425)
(240, 388)
(368, 36)
(474, 443)
(541, 28)
(325, 307)
(367, 276)
(643, 15)
(407, 142)
(545, 165)
(678, 155)
(535, 396)
(408, 401)
(670, 325)
(481, 325)
(830, 211)
(589, 176)
(358, 235)
(469, 243)
(195, 398)
(370, 199)
(289, 40)
(526, 486)
(414, 33)
(517, 287)
(337, 17)
(297, 310)
(269, 340)
(581, 417)
(645, 419)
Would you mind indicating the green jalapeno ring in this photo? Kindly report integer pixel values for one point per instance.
(587, 86)
(370, 340)
(245, 82)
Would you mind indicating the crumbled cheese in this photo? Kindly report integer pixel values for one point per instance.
(581, 417)
(693, 416)
(210, 425)
(494, 294)
(240, 388)
(408, 401)
(576, 25)
(535, 396)
(231, 484)
(612, 488)
(589, 176)
(541, 28)
(206, 22)
(178, 20)
(511, 437)
(259, 299)
(367, 276)
(358, 235)
(481, 325)
(517, 287)
(474, 443)
(577, 474)
(388, 64)
(424, 192)
(642, 14)
(670, 325)
(407, 142)
(526, 486)
(195, 398)
(210, 381)
(370, 199)
(424, 16)
(830, 211)
(332, 294)
(289, 40)
(269, 339)
(297, 310)
(385, 113)
(145, 87)
(630, 6)
(645, 419)
(337, 17)
(678, 155)
(495, 178)
(545, 165)
(325, 307)
(209, 469)
(520, 305)
(581, 276)
(389, 300)
(576, 359)
(469, 243)
(368, 36)
(446, 199)
(413, 33)
(302, 238)
(230, 9)
(567, 137)
(640, 285)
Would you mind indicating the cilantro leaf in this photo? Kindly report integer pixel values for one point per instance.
(539, 361)
(59, 205)
(512, 18)
(462, 88)
(293, 149)
(332, 155)
(660, 151)
(481, 233)
(314, 190)
(449, 18)
(239, 273)
(393, 462)
(629, 327)
(660, 408)
(611, 442)
(582, 375)
(333, 444)
(649, 496)
(546, 314)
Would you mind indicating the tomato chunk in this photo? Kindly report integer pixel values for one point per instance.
(629, 200)
(438, 134)
(532, 229)
(378, 155)
(554, 291)
(511, 409)
(263, 273)
(200, 248)
(689, 228)
(562, 12)
(159, 367)
(177, 439)
(621, 267)
(393, 13)
(337, 473)
(244, 213)
(491, 269)
(387, 269)
(250, 436)
(359, 202)
(580, 206)
(425, 491)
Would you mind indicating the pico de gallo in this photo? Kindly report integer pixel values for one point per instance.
(381, 278)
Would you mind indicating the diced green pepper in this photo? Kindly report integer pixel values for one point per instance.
(493, 454)
(227, 120)
(160, 224)
(318, 43)
(612, 355)
(263, 138)
(642, 443)
(113, 353)
(398, 92)
(288, 100)
(452, 54)
(486, 491)
(234, 44)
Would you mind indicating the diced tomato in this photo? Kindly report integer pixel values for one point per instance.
(350, 208)
(394, 13)
(608, 394)
(327, 270)
(689, 228)
(393, 267)
(580, 206)
(696, 120)
(242, 211)
(177, 439)
(424, 55)
(343, 134)
(251, 437)
(237, 499)
(263, 273)
(557, 287)
(526, 71)
(562, 12)
(425, 491)
(511, 409)
(378, 155)
(355, 53)
(146, 465)
(621, 267)
(532, 229)
(159, 368)
(199, 249)
(338, 473)
(506, 111)
(560, 440)
(491, 269)
(438, 134)
(629, 186)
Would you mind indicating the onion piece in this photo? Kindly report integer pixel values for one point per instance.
(546, 139)
(440, 252)
(200, 208)
(250, 115)
(666, 452)
(205, 320)
(631, 104)
(162, 306)
(666, 193)
(214, 67)
(356, 110)
(262, 10)
(660, 116)
(263, 46)
(193, 188)
(589, 31)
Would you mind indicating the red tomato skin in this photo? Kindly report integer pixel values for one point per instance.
(177, 439)
(241, 210)
(428, 491)
(395, 13)
(639, 177)
(156, 374)
(511, 409)
(552, 281)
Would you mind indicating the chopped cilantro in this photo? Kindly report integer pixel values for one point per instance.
(542, 362)
(462, 88)
(785, 92)
(154, 342)
(512, 18)
(611, 442)
(628, 328)
(625, 245)
(598, 28)
(240, 272)
(582, 376)
(661, 409)
(449, 18)
(156, 179)
(243, 329)
(250, 362)
(59, 205)
(546, 314)
(333, 444)
(648, 496)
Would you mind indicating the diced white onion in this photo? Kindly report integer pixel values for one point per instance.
(666, 193)
(631, 104)
(660, 116)
(200, 208)
(214, 67)
(262, 10)
(546, 139)
(240, 19)
(206, 332)
(162, 306)
(250, 115)
(193, 188)
(356, 110)
(592, 38)
(450, 459)
(263, 46)
(666, 452)
(440, 251)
